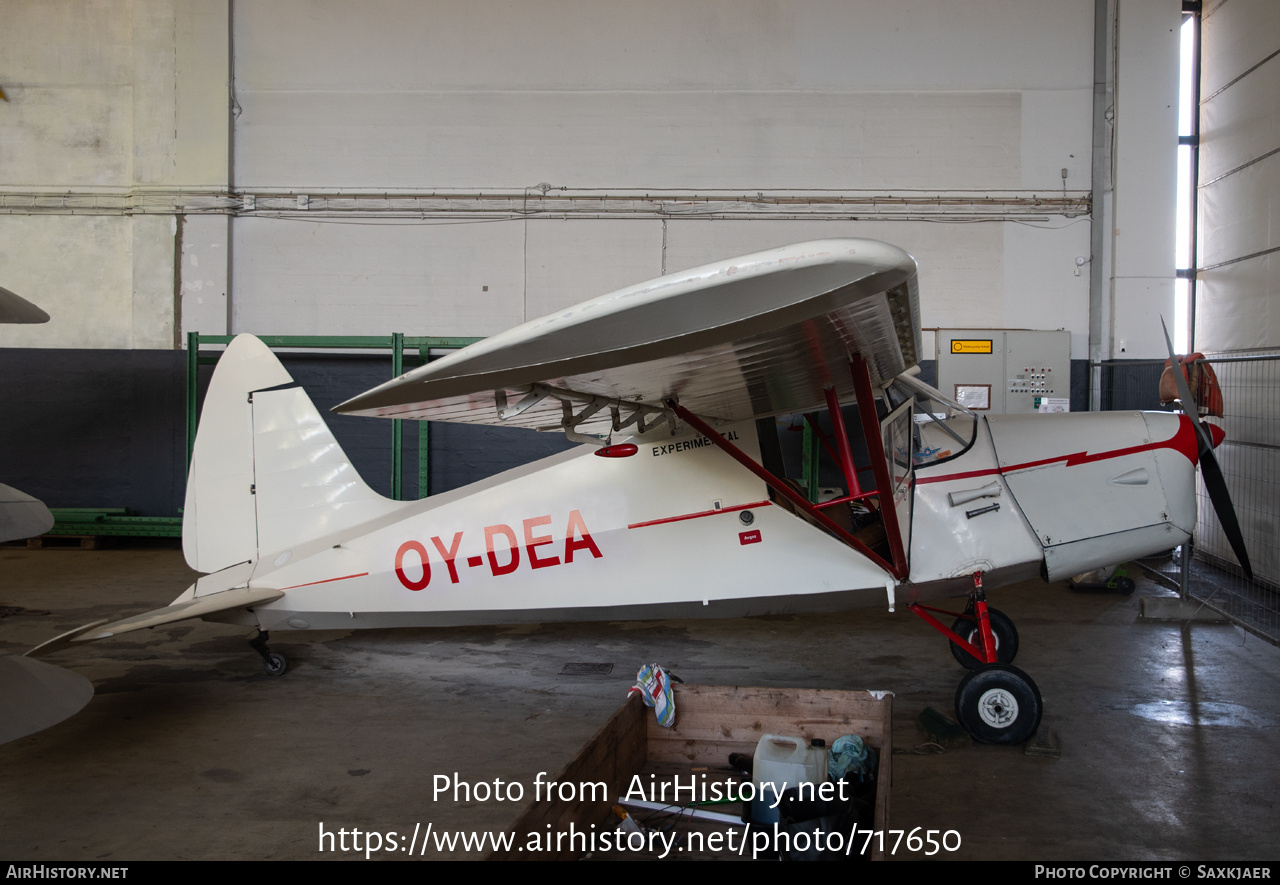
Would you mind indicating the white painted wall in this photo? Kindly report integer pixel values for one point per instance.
(107, 102)
(715, 94)
(767, 96)
(305, 278)
(1141, 228)
(793, 97)
(203, 243)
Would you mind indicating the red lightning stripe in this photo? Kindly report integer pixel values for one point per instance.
(1183, 441)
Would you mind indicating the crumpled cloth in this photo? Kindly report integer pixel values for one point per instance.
(654, 685)
(851, 759)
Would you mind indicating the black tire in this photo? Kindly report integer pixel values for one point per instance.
(999, 704)
(275, 664)
(1126, 586)
(1002, 630)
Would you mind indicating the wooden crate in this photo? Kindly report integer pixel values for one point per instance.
(712, 721)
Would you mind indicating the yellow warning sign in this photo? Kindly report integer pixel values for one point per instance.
(971, 345)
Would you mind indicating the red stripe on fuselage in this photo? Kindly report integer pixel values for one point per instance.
(665, 519)
(1183, 441)
(325, 581)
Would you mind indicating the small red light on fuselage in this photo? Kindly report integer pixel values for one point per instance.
(621, 450)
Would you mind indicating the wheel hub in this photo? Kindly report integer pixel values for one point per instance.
(998, 708)
(975, 638)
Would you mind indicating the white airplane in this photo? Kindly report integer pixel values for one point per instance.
(689, 496)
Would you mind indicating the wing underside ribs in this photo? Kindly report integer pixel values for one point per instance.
(641, 415)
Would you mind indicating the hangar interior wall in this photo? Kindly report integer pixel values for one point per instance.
(1239, 279)
(1238, 299)
(803, 104)
(310, 167)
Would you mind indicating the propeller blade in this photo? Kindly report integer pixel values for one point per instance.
(1221, 498)
(1214, 484)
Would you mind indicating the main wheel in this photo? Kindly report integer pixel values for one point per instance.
(275, 664)
(1002, 631)
(999, 704)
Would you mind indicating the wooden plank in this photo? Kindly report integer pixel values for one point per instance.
(770, 701)
(773, 702)
(75, 542)
(714, 721)
(884, 776)
(731, 726)
(615, 753)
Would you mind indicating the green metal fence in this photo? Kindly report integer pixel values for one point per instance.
(406, 352)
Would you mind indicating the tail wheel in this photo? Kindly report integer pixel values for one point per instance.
(272, 661)
(275, 663)
(1002, 631)
(999, 704)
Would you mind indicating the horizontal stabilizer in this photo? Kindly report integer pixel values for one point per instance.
(62, 640)
(241, 597)
(35, 695)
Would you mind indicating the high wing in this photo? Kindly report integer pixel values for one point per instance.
(745, 338)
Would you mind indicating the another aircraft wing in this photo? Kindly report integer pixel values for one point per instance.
(754, 336)
(35, 695)
(22, 516)
(16, 309)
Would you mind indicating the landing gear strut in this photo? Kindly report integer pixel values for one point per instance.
(996, 702)
(1003, 633)
(273, 662)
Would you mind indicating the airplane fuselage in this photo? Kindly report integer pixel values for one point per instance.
(678, 529)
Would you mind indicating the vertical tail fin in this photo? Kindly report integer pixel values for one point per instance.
(266, 472)
(219, 519)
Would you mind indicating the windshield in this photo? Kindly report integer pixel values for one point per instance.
(943, 427)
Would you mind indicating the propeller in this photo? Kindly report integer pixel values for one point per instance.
(1209, 470)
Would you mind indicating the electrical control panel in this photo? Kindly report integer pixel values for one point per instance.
(1005, 371)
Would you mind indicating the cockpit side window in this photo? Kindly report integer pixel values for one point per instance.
(943, 428)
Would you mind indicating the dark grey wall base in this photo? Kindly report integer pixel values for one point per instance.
(107, 428)
(94, 428)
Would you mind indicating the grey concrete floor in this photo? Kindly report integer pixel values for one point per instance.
(188, 751)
